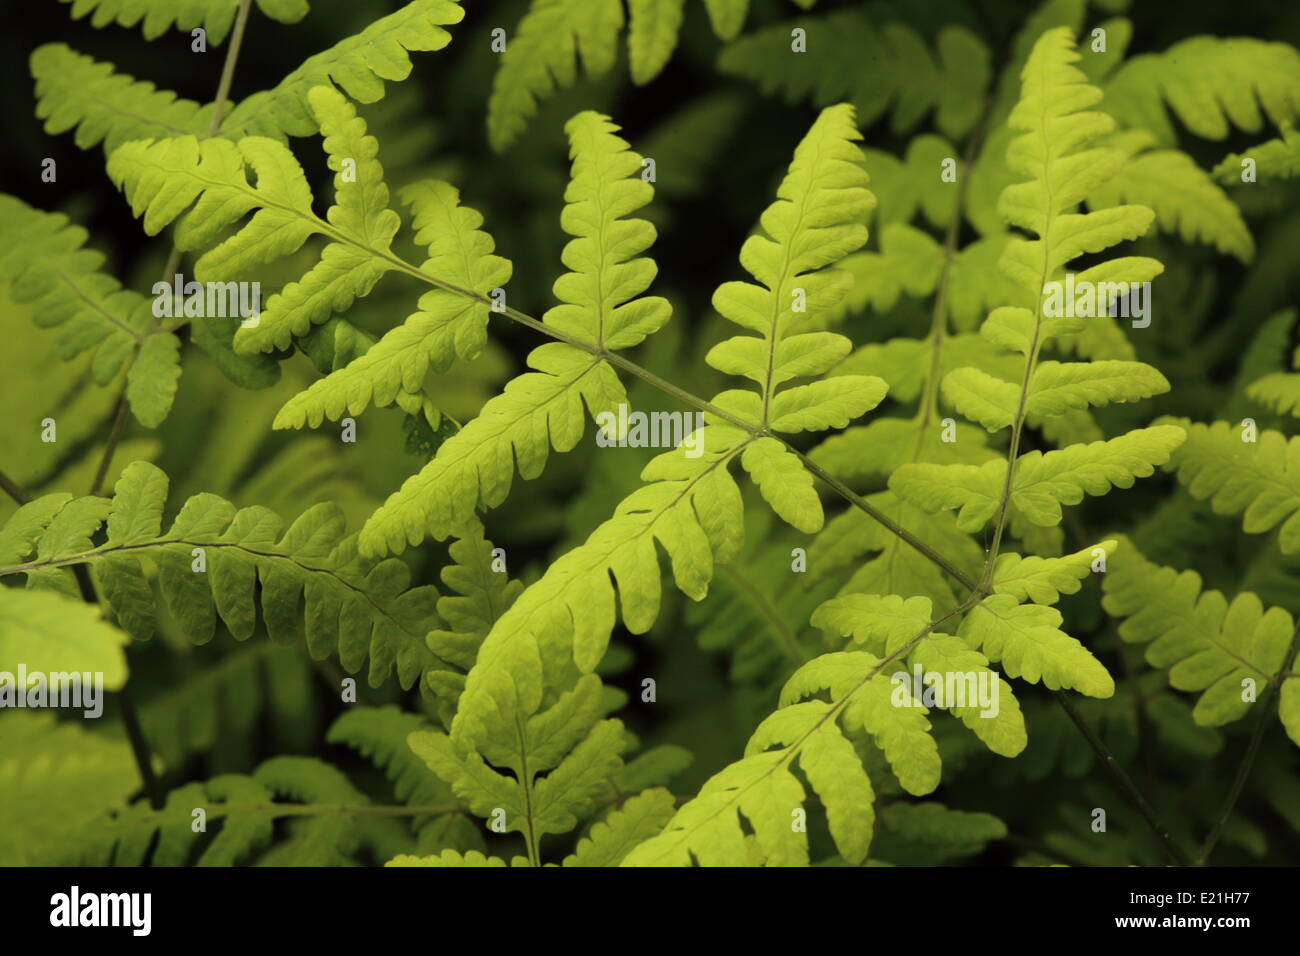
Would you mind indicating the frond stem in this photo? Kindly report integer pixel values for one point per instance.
(1252, 751)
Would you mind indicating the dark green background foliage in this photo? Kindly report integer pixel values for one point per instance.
(249, 724)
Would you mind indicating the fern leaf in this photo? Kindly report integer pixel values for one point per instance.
(909, 261)
(1048, 151)
(1043, 482)
(126, 837)
(1185, 198)
(1057, 388)
(610, 841)
(1260, 479)
(882, 623)
(692, 508)
(1280, 391)
(907, 185)
(158, 16)
(1210, 84)
(652, 35)
(152, 380)
(763, 789)
(1026, 639)
(358, 66)
(1044, 580)
(532, 806)
(930, 834)
(542, 56)
(45, 258)
(313, 795)
(1208, 643)
(538, 411)
(784, 484)
(380, 733)
(449, 325)
(815, 221)
(879, 67)
(483, 595)
(727, 16)
(76, 91)
(365, 601)
(601, 305)
(1000, 727)
(203, 184)
(360, 212)
(1275, 159)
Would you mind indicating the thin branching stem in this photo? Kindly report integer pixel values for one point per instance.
(1123, 781)
(1262, 723)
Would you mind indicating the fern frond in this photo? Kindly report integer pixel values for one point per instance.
(1059, 173)
(159, 16)
(1275, 159)
(909, 261)
(1279, 390)
(637, 820)
(931, 834)
(1043, 482)
(220, 707)
(1044, 580)
(1054, 389)
(380, 734)
(45, 630)
(652, 35)
(1185, 198)
(360, 212)
(203, 186)
(449, 326)
(763, 788)
(1210, 84)
(542, 56)
(1207, 643)
(45, 258)
(577, 759)
(885, 624)
(103, 105)
(245, 807)
(522, 707)
(692, 508)
(816, 220)
(727, 16)
(885, 564)
(1026, 639)
(54, 778)
(601, 307)
(482, 595)
(1259, 479)
(358, 66)
(358, 607)
(878, 67)
(904, 186)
